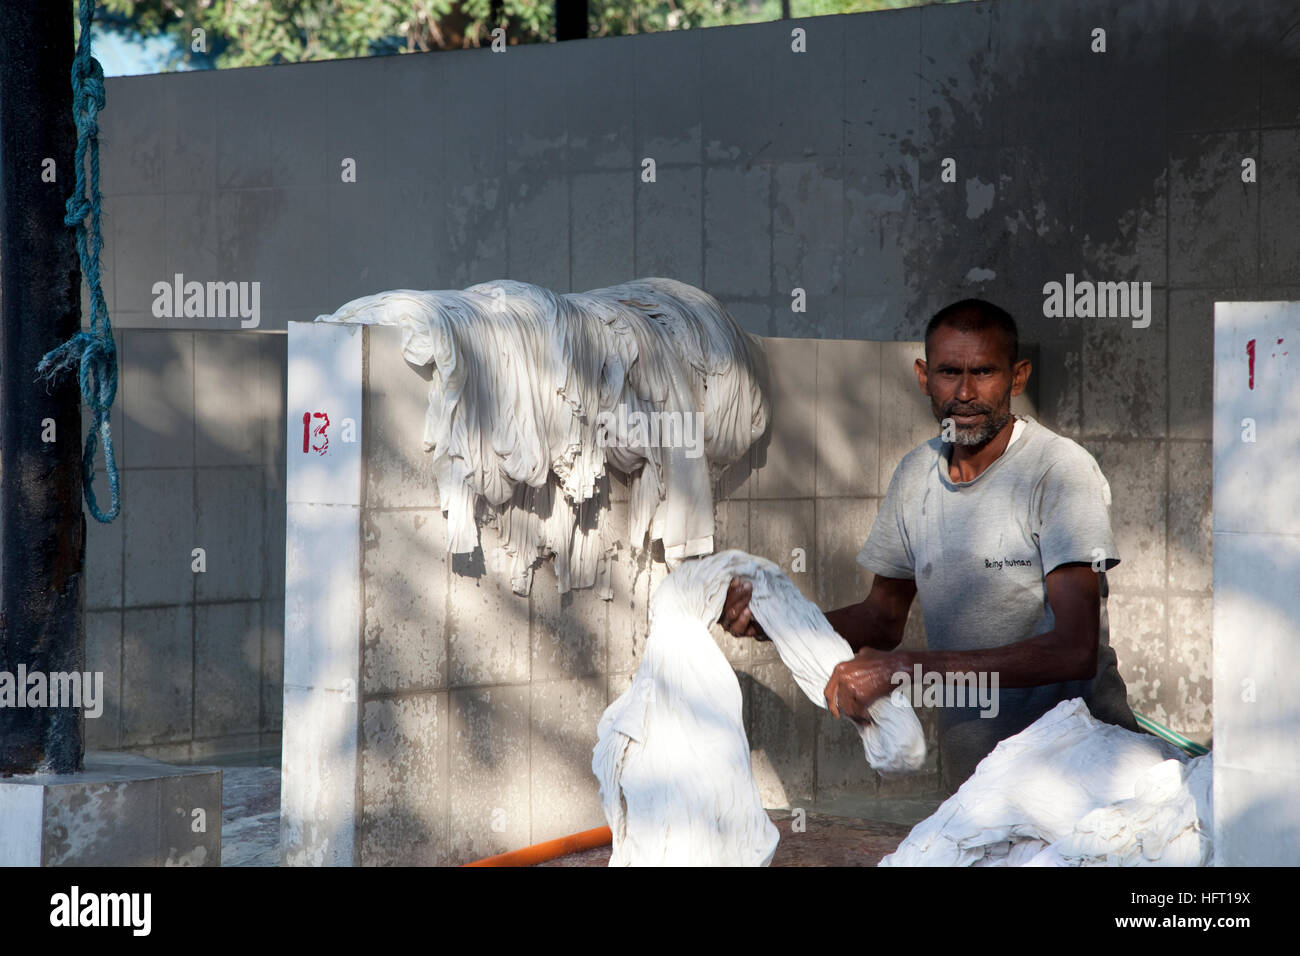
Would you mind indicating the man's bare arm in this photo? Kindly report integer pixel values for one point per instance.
(1067, 652)
(879, 619)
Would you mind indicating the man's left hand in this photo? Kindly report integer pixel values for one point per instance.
(856, 684)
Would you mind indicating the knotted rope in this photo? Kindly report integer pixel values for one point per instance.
(92, 353)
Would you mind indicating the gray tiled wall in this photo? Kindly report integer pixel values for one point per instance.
(191, 659)
(774, 170)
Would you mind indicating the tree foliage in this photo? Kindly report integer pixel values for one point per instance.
(256, 32)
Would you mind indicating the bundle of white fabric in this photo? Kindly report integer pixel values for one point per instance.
(533, 394)
(672, 757)
(1071, 790)
(1167, 822)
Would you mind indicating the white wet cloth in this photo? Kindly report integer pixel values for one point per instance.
(1167, 822)
(1070, 790)
(535, 394)
(672, 757)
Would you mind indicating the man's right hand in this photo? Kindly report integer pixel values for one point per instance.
(736, 618)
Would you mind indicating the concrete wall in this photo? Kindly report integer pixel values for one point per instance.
(191, 660)
(476, 708)
(1256, 616)
(820, 170)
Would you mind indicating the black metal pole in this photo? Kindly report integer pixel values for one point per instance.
(44, 529)
(570, 19)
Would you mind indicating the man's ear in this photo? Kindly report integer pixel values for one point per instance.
(921, 375)
(1020, 376)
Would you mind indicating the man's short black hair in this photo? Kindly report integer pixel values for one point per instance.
(976, 315)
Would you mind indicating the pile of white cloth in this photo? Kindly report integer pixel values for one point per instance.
(534, 394)
(1070, 790)
(672, 757)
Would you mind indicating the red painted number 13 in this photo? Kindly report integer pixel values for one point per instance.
(309, 434)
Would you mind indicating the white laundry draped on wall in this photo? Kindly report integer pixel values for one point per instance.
(535, 395)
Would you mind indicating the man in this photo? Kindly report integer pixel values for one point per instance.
(1003, 529)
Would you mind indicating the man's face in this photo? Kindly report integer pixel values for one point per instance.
(969, 380)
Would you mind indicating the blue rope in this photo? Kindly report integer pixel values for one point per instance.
(92, 353)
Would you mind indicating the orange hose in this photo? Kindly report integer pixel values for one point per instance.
(541, 852)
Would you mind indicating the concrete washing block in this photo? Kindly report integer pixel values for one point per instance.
(323, 604)
(227, 397)
(731, 525)
(1191, 517)
(272, 689)
(1189, 667)
(157, 396)
(157, 682)
(1140, 638)
(840, 765)
(121, 810)
(404, 781)
(782, 736)
(398, 470)
(564, 797)
(489, 804)
(629, 624)
(1135, 471)
(568, 631)
(405, 572)
(905, 416)
(228, 516)
(321, 668)
(159, 534)
(1255, 819)
(104, 656)
(1254, 428)
(227, 668)
(487, 623)
(104, 551)
(789, 467)
(318, 777)
(1256, 621)
(848, 419)
(843, 525)
(324, 395)
(1256, 565)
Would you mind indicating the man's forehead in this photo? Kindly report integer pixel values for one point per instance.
(956, 345)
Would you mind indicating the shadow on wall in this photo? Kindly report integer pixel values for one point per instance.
(1106, 167)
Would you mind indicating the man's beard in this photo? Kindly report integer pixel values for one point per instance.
(980, 433)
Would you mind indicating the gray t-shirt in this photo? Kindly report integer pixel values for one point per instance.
(980, 551)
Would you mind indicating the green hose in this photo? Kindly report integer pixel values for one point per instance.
(1173, 736)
